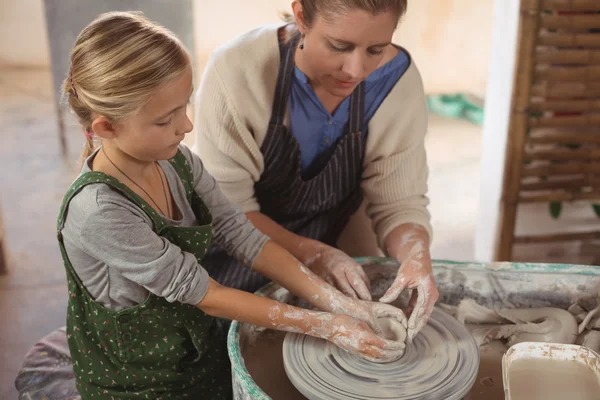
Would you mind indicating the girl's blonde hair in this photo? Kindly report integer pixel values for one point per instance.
(327, 9)
(117, 62)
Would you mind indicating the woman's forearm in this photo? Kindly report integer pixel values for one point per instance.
(406, 240)
(329, 263)
(300, 247)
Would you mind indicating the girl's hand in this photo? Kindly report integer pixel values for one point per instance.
(370, 312)
(357, 338)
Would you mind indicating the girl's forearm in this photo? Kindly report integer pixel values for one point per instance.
(233, 304)
(283, 268)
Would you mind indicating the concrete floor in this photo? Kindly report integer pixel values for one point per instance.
(33, 294)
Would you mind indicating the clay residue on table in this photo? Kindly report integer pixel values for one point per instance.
(264, 361)
(263, 357)
(546, 324)
(488, 385)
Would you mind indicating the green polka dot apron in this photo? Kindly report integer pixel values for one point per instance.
(157, 349)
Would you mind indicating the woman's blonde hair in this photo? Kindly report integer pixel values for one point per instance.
(117, 62)
(327, 9)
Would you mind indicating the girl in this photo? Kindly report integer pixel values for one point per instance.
(135, 225)
(300, 121)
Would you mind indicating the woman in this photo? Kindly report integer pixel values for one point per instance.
(299, 122)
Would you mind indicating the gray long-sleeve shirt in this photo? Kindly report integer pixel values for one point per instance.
(120, 260)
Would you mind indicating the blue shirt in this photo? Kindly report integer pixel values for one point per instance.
(316, 130)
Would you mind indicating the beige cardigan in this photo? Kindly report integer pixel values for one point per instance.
(232, 112)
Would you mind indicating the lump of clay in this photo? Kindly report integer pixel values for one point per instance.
(392, 329)
(550, 325)
(590, 320)
(589, 339)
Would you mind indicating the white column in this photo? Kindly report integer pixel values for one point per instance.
(495, 128)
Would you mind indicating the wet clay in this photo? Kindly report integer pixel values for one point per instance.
(590, 339)
(392, 329)
(546, 324)
(439, 363)
(532, 379)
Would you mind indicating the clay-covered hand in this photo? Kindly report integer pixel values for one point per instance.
(340, 270)
(357, 338)
(370, 312)
(415, 273)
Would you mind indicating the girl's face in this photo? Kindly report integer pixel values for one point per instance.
(343, 50)
(161, 124)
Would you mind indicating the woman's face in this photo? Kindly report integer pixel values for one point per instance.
(342, 50)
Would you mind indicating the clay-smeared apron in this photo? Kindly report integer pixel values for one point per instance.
(318, 207)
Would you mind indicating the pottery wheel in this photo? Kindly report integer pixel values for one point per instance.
(440, 363)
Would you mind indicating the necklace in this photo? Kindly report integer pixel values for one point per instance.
(164, 191)
(168, 214)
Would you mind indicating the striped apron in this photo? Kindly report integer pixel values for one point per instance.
(317, 207)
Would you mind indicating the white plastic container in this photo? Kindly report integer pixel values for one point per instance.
(551, 371)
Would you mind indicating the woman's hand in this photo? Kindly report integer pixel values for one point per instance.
(415, 273)
(407, 244)
(339, 270)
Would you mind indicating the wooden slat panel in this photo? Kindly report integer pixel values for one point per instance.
(591, 21)
(562, 90)
(569, 39)
(565, 105)
(3, 261)
(583, 120)
(561, 83)
(559, 196)
(571, 183)
(561, 169)
(566, 74)
(566, 57)
(564, 139)
(563, 155)
(561, 237)
(568, 5)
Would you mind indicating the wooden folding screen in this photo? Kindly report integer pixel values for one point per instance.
(553, 153)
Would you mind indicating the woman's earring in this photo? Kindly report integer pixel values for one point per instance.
(301, 42)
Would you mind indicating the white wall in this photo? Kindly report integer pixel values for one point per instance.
(23, 33)
(495, 128)
(449, 39)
